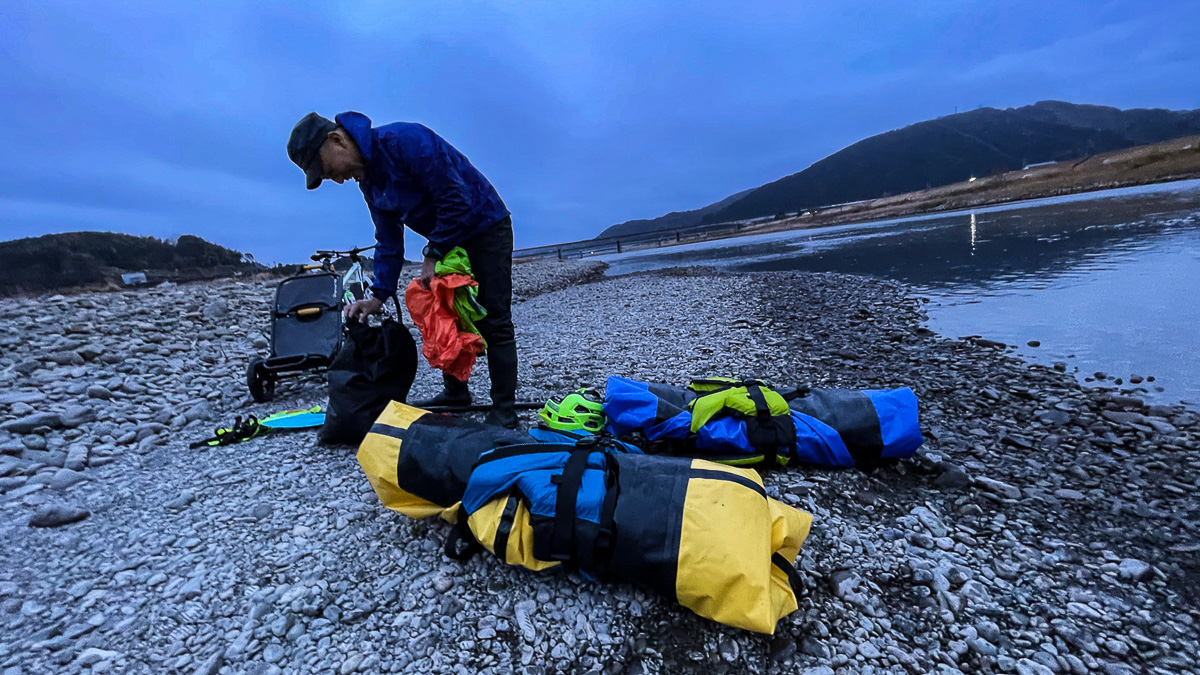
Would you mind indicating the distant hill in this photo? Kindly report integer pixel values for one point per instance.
(672, 221)
(59, 261)
(948, 150)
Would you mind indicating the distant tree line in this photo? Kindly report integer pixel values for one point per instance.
(55, 261)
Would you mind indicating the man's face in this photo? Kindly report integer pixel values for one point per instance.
(340, 158)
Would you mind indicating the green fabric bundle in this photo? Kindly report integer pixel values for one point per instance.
(466, 306)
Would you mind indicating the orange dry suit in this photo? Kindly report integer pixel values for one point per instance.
(445, 315)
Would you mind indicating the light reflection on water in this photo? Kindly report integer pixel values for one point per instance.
(1106, 281)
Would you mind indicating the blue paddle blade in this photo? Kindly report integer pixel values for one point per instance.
(304, 420)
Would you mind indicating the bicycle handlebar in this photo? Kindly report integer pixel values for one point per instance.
(323, 254)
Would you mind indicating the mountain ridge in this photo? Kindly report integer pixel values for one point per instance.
(937, 152)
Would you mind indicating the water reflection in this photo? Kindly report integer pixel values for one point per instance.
(1109, 277)
(1038, 244)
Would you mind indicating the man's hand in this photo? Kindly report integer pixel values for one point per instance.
(359, 310)
(428, 269)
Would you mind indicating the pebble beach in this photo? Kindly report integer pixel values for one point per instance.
(1044, 527)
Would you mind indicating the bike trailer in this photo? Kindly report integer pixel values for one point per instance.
(306, 330)
(703, 533)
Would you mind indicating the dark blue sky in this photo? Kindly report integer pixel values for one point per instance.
(166, 118)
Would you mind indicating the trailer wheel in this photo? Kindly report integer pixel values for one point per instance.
(260, 382)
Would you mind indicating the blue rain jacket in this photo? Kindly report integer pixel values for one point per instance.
(415, 178)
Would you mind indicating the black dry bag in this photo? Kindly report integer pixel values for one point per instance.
(376, 365)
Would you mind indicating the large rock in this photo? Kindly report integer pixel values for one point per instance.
(93, 655)
(91, 351)
(217, 308)
(27, 366)
(1132, 569)
(66, 358)
(55, 515)
(996, 487)
(65, 478)
(1126, 418)
(952, 477)
(930, 520)
(1162, 426)
(26, 424)
(1055, 418)
(77, 457)
(201, 411)
(78, 415)
(1028, 667)
(11, 397)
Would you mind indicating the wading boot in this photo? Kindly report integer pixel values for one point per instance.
(502, 366)
(454, 392)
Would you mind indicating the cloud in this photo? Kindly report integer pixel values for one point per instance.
(172, 117)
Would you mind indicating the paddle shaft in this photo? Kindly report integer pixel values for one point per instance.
(519, 405)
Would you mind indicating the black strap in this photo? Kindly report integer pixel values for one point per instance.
(569, 482)
(722, 385)
(606, 537)
(764, 427)
(798, 392)
(461, 542)
(602, 442)
(506, 451)
(794, 579)
(500, 546)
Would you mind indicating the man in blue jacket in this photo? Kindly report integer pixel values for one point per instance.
(412, 177)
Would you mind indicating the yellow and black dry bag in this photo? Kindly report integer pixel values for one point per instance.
(703, 533)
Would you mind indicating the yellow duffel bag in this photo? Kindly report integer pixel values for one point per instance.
(703, 533)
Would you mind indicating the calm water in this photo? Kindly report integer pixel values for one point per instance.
(1107, 281)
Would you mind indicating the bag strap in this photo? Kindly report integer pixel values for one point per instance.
(500, 543)
(506, 451)
(722, 384)
(765, 421)
(796, 392)
(461, 543)
(794, 578)
(569, 481)
(606, 537)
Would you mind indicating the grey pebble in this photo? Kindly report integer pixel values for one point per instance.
(56, 515)
(273, 653)
(1132, 569)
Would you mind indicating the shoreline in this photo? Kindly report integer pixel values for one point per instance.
(1166, 162)
(1033, 523)
(848, 248)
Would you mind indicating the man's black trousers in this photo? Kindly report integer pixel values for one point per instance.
(490, 253)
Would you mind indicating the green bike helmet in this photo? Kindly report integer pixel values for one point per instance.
(578, 411)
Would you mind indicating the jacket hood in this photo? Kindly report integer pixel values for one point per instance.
(359, 126)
